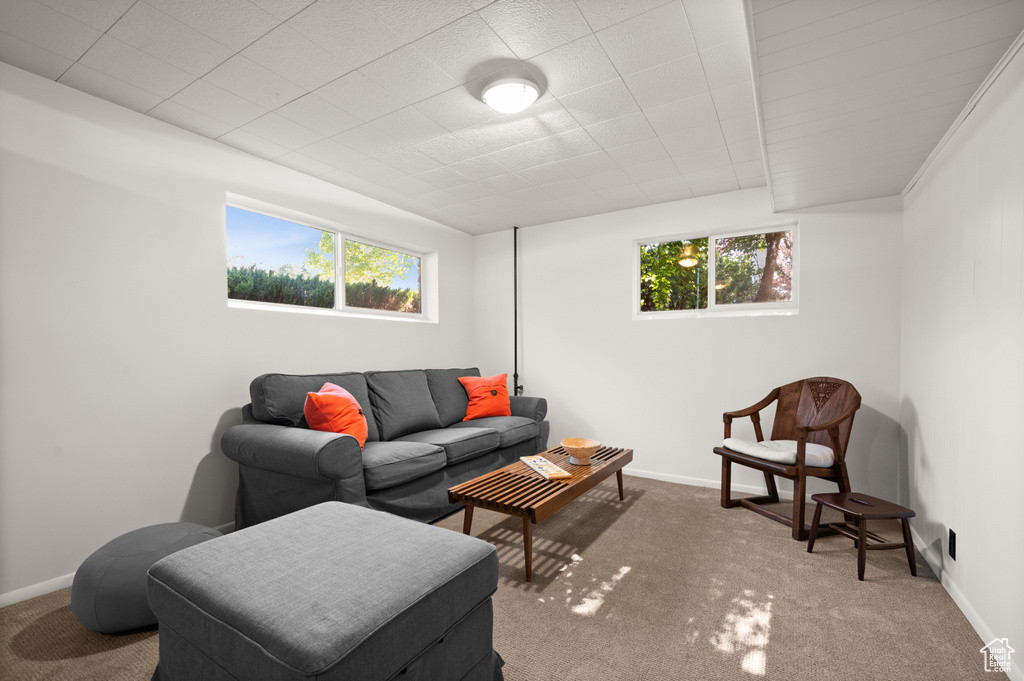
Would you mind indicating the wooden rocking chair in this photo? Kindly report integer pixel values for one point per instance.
(813, 419)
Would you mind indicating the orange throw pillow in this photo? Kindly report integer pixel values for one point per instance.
(488, 396)
(334, 410)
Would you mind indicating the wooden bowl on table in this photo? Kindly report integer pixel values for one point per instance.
(580, 449)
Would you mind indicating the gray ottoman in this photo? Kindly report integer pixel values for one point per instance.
(331, 592)
(108, 593)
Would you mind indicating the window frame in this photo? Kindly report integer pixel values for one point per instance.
(340, 265)
(428, 264)
(790, 307)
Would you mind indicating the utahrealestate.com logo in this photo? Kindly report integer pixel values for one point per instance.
(997, 655)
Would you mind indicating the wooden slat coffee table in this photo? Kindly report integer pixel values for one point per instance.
(518, 490)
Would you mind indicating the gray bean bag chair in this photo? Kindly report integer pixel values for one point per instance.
(108, 594)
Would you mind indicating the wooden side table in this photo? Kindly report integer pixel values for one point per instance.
(863, 508)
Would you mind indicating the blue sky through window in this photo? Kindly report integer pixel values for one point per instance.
(412, 281)
(267, 242)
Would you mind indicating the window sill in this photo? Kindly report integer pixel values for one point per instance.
(324, 312)
(718, 312)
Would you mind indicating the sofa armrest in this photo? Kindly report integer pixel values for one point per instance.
(302, 453)
(535, 408)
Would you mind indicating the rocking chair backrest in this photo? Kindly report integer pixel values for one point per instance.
(811, 402)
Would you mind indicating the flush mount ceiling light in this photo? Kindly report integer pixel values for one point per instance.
(510, 95)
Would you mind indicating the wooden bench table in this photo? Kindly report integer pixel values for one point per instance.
(863, 508)
(518, 490)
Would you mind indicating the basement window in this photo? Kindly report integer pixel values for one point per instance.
(279, 259)
(750, 271)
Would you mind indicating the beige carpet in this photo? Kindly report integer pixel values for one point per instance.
(41, 640)
(665, 585)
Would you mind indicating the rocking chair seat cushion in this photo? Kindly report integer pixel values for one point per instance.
(782, 451)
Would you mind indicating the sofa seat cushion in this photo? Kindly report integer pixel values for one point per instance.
(460, 444)
(333, 592)
(782, 451)
(401, 402)
(386, 464)
(511, 429)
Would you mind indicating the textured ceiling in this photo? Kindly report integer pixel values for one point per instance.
(855, 94)
(643, 101)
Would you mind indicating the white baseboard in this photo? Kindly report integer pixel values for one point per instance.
(702, 482)
(668, 477)
(19, 595)
(934, 561)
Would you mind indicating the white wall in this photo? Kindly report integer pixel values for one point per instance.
(120, 362)
(963, 359)
(660, 386)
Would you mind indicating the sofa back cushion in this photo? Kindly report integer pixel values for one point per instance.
(401, 402)
(280, 398)
(449, 396)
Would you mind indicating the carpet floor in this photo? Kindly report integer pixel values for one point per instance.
(663, 585)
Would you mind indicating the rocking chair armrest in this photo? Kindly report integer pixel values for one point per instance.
(753, 412)
(772, 396)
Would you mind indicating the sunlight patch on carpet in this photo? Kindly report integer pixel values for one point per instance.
(576, 559)
(594, 599)
(692, 637)
(745, 631)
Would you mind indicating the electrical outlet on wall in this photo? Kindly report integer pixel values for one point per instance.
(952, 544)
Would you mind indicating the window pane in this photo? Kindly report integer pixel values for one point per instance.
(380, 279)
(275, 261)
(754, 269)
(674, 275)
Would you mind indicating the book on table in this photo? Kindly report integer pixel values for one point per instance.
(545, 467)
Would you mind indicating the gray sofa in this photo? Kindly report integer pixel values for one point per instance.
(416, 448)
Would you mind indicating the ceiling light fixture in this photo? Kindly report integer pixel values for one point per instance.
(510, 95)
(688, 259)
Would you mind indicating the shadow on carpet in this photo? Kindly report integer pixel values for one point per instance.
(41, 639)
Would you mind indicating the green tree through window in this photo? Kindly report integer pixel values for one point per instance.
(668, 280)
(373, 275)
(757, 268)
